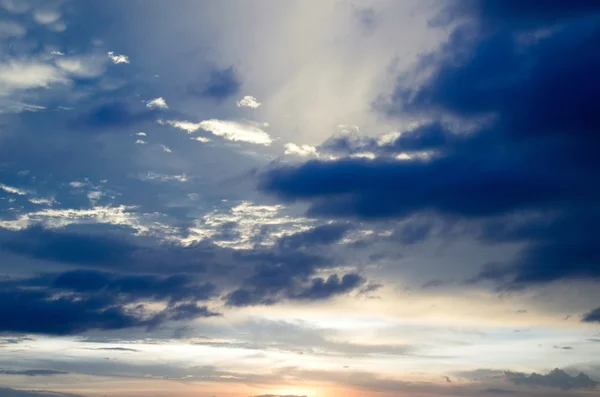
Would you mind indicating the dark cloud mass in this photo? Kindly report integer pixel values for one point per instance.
(555, 379)
(6, 392)
(522, 142)
(592, 317)
(125, 273)
(116, 114)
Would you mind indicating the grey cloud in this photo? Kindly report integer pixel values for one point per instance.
(6, 392)
(32, 372)
(557, 378)
(498, 391)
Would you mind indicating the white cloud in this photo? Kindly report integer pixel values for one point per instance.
(11, 29)
(166, 149)
(13, 190)
(141, 142)
(43, 201)
(201, 139)
(116, 58)
(248, 102)
(56, 52)
(300, 150)
(17, 107)
(46, 17)
(363, 155)
(230, 130)
(157, 103)
(22, 75)
(82, 66)
(153, 176)
(77, 184)
(249, 220)
(141, 134)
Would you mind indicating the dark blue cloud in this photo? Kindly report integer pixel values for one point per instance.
(413, 232)
(172, 288)
(592, 317)
(320, 235)
(325, 289)
(31, 311)
(43, 311)
(116, 114)
(268, 289)
(66, 246)
(117, 269)
(427, 137)
(520, 81)
(522, 14)
(221, 84)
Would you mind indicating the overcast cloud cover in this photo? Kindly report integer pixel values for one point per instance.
(299, 198)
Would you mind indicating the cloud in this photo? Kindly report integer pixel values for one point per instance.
(157, 103)
(431, 136)
(555, 379)
(46, 17)
(24, 75)
(116, 58)
(278, 395)
(230, 130)
(300, 150)
(498, 391)
(248, 102)
(115, 114)
(118, 349)
(221, 84)
(432, 284)
(33, 372)
(320, 235)
(271, 284)
(592, 317)
(325, 289)
(510, 145)
(13, 190)
(82, 66)
(6, 392)
(82, 307)
(11, 29)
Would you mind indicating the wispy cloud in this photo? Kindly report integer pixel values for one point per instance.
(230, 130)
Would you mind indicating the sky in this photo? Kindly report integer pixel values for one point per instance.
(299, 198)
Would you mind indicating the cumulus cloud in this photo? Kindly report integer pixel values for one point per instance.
(248, 102)
(157, 103)
(117, 58)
